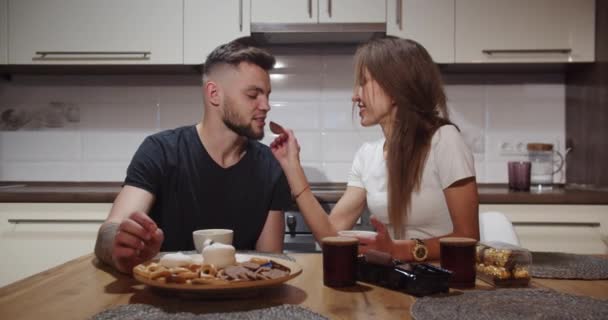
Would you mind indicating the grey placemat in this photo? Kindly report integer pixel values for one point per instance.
(144, 311)
(509, 304)
(558, 265)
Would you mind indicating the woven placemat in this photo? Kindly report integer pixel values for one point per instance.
(144, 311)
(509, 304)
(558, 265)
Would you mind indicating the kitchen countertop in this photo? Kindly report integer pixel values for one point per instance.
(105, 192)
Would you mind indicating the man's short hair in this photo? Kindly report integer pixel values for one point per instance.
(235, 52)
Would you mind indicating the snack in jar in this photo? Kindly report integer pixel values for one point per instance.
(503, 264)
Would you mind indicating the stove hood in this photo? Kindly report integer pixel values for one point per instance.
(316, 33)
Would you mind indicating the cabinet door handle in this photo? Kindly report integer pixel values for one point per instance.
(310, 9)
(399, 14)
(557, 224)
(329, 8)
(19, 221)
(92, 55)
(241, 15)
(493, 51)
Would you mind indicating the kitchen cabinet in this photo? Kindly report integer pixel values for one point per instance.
(95, 32)
(566, 228)
(352, 11)
(209, 23)
(284, 11)
(318, 11)
(3, 31)
(524, 31)
(37, 236)
(429, 22)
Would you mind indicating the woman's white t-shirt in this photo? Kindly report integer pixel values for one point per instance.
(449, 160)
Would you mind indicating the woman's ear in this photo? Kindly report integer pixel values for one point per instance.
(211, 90)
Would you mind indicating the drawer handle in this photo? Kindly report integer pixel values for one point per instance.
(92, 55)
(499, 51)
(557, 224)
(23, 221)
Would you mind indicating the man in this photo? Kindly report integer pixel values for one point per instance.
(211, 175)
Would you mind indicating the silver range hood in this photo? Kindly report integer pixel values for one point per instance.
(317, 33)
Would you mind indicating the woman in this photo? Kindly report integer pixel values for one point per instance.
(419, 179)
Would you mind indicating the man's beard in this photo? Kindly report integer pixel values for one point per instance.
(231, 119)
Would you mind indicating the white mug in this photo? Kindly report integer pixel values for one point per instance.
(205, 237)
(358, 234)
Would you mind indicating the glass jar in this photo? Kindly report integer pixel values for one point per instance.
(543, 166)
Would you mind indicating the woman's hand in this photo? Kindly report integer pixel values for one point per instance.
(382, 242)
(286, 149)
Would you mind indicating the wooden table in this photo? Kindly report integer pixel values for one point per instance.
(82, 288)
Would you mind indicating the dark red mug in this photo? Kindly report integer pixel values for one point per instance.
(340, 261)
(458, 255)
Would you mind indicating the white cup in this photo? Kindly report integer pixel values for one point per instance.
(205, 237)
(357, 234)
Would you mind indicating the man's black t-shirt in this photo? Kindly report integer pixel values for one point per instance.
(193, 192)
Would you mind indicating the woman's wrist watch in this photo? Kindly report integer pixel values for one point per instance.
(419, 252)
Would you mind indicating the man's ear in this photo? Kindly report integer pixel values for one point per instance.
(211, 90)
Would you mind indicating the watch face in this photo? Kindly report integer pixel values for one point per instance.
(420, 252)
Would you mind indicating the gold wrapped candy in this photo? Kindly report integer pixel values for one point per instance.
(503, 264)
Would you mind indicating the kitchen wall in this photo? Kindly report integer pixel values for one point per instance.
(87, 127)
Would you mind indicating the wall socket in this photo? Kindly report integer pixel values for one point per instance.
(513, 148)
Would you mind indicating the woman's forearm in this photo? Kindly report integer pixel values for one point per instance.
(314, 215)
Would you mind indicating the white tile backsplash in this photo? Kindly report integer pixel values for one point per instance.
(310, 145)
(40, 171)
(337, 171)
(173, 115)
(342, 146)
(315, 171)
(121, 117)
(296, 87)
(40, 146)
(526, 107)
(111, 146)
(296, 114)
(311, 94)
(104, 171)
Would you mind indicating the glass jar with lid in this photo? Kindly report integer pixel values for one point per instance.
(543, 164)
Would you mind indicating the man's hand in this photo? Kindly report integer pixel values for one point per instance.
(137, 239)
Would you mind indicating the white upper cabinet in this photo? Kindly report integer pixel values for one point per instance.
(318, 11)
(284, 11)
(525, 30)
(429, 22)
(3, 31)
(95, 32)
(352, 11)
(210, 23)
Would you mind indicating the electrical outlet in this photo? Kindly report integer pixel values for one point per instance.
(512, 148)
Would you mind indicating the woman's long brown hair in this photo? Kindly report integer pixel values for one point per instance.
(407, 73)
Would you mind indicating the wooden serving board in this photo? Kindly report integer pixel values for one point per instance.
(236, 286)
